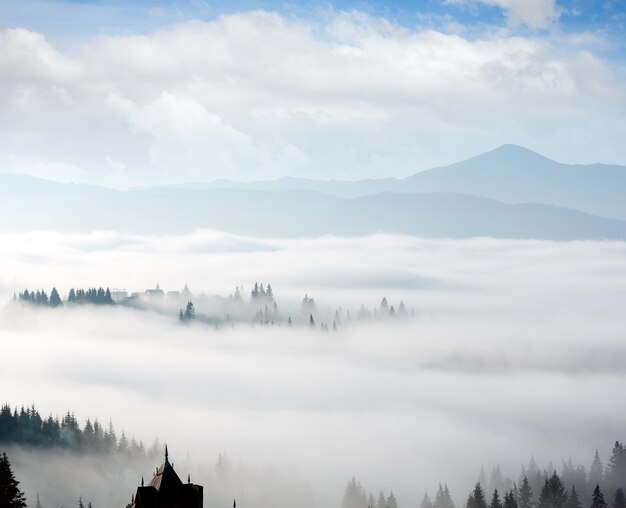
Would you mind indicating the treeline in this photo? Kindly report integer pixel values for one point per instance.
(96, 296)
(575, 487)
(39, 297)
(532, 480)
(27, 427)
(261, 294)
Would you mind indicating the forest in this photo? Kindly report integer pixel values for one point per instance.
(260, 308)
(26, 427)
(601, 486)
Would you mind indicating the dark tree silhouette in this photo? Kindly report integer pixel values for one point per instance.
(573, 500)
(553, 493)
(525, 494)
(26, 427)
(10, 494)
(495, 500)
(596, 471)
(615, 474)
(619, 501)
(477, 498)
(597, 499)
(510, 500)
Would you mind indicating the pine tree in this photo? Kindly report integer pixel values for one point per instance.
(10, 494)
(440, 501)
(573, 501)
(391, 501)
(510, 500)
(596, 471)
(123, 443)
(619, 501)
(477, 498)
(495, 500)
(269, 294)
(37, 502)
(55, 299)
(382, 502)
(255, 292)
(616, 468)
(88, 436)
(426, 502)
(354, 495)
(80, 503)
(443, 498)
(553, 493)
(384, 306)
(311, 321)
(496, 482)
(190, 312)
(597, 499)
(525, 494)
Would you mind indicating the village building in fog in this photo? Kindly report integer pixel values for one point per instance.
(166, 490)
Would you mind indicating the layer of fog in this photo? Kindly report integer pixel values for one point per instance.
(517, 348)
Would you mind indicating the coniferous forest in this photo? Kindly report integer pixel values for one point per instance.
(26, 427)
(601, 485)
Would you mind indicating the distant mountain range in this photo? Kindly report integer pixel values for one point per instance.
(510, 192)
(510, 173)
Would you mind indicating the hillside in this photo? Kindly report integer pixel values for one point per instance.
(78, 208)
(511, 174)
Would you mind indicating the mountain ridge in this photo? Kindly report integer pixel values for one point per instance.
(453, 201)
(510, 174)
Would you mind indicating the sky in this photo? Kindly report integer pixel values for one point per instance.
(127, 94)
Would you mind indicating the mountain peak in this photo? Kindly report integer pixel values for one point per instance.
(511, 150)
(509, 156)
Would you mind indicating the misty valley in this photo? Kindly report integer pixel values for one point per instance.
(312, 254)
(53, 441)
(478, 366)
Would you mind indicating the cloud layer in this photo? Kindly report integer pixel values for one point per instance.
(507, 351)
(259, 94)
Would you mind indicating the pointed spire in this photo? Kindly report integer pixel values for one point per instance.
(234, 503)
(166, 454)
(132, 499)
(188, 478)
(142, 481)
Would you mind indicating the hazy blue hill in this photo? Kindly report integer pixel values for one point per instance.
(31, 204)
(510, 173)
(516, 175)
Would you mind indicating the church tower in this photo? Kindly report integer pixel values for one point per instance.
(166, 490)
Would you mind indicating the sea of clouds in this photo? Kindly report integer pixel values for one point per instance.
(516, 348)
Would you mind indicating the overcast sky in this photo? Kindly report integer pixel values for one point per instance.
(134, 93)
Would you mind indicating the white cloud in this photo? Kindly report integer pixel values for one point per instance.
(403, 407)
(533, 13)
(258, 95)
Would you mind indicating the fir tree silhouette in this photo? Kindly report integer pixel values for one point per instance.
(10, 494)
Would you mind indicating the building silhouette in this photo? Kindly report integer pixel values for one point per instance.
(166, 490)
